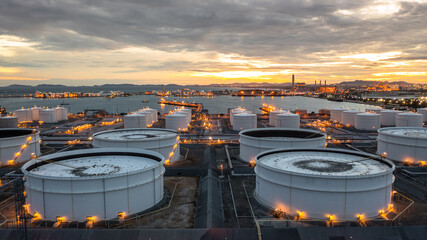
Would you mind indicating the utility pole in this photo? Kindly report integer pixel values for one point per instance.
(20, 212)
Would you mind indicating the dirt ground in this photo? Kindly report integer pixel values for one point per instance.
(180, 214)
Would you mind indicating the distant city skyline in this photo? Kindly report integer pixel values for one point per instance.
(78, 43)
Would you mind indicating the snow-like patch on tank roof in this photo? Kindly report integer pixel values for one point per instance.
(323, 163)
(136, 135)
(408, 132)
(94, 166)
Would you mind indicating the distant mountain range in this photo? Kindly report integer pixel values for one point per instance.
(358, 83)
(17, 88)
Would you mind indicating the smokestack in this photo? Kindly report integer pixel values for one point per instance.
(315, 84)
(293, 81)
(325, 83)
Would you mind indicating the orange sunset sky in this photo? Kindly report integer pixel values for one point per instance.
(203, 42)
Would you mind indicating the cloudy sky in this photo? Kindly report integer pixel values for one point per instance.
(87, 42)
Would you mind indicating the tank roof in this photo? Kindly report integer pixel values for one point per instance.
(245, 114)
(352, 111)
(410, 114)
(94, 166)
(410, 132)
(282, 133)
(288, 114)
(15, 132)
(368, 114)
(90, 163)
(324, 163)
(136, 134)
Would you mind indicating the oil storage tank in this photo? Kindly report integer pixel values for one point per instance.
(148, 117)
(367, 121)
(163, 141)
(94, 182)
(336, 114)
(287, 120)
(8, 122)
(234, 112)
(272, 119)
(35, 112)
(244, 121)
(61, 113)
(409, 119)
(135, 121)
(187, 112)
(48, 115)
(153, 114)
(349, 117)
(403, 144)
(177, 122)
(423, 111)
(254, 141)
(319, 183)
(24, 115)
(388, 117)
(18, 145)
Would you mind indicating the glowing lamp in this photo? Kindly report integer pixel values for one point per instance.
(37, 216)
(121, 215)
(60, 219)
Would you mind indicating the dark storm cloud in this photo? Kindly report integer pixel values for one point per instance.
(283, 29)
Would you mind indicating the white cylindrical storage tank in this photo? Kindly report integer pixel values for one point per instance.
(234, 112)
(61, 113)
(244, 121)
(163, 141)
(153, 114)
(18, 145)
(177, 122)
(287, 120)
(324, 182)
(403, 144)
(336, 114)
(388, 117)
(148, 117)
(94, 182)
(48, 116)
(409, 120)
(8, 122)
(367, 121)
(423, 111)
(135, 121)
(187, 112)
(35, 111)
(374, 110)
(254, 141)
(349, 117)
(24, 115)
(65, 113)
(272, 117)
